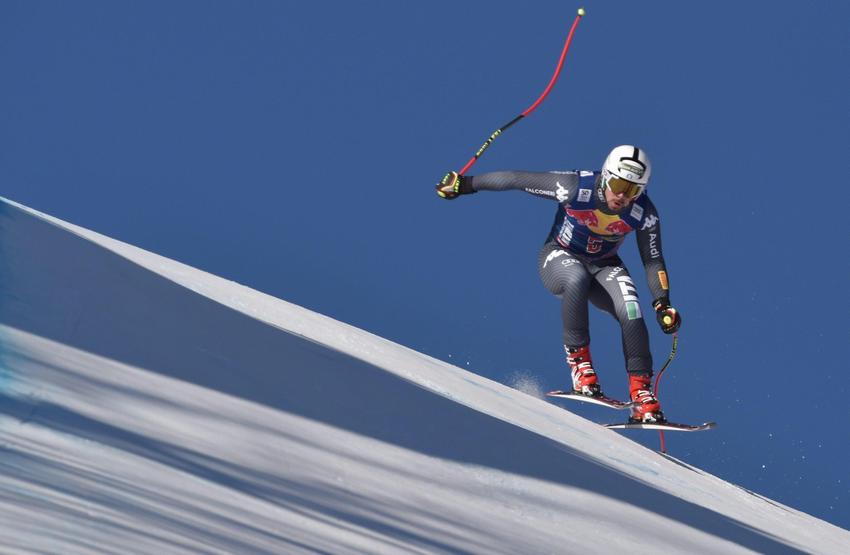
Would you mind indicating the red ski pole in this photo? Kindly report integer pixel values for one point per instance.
(537, 102)
(658, 380)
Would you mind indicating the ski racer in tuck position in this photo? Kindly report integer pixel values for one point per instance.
(579, 261)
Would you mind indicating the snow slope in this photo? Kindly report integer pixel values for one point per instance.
(149, 407)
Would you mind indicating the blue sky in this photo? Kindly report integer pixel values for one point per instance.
(293, 147)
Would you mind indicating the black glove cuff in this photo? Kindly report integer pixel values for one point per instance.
(661, 303)
(464, 186)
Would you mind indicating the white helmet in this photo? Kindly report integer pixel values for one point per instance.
(628, 162)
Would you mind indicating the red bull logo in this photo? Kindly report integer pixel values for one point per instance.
(584, 217)
(618, 227)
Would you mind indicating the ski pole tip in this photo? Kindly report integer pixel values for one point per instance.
(581, 12)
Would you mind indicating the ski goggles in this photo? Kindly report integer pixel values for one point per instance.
(618, 185)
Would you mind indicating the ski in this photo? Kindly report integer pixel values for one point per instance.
(598, 400)
(672, 426)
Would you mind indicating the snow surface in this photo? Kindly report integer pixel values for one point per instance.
(149, 407)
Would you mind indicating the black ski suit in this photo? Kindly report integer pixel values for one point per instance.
(579, 261)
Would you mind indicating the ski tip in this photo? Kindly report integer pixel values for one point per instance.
(564, 394)
(601, 400)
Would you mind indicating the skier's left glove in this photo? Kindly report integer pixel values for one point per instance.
(668, 317)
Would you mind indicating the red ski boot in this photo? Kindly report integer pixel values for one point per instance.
(584, 377)
(646, 407)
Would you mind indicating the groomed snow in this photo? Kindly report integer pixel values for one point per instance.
(149, 407)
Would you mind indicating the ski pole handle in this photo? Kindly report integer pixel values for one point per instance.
(668, 317)
(537, 102)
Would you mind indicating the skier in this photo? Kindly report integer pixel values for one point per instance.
(579, 261)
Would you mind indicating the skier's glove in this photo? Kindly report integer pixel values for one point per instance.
(667, 316)
(453, 185)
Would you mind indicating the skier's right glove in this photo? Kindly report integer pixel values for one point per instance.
(453, 185)
(668, 317)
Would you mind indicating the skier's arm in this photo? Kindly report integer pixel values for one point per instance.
(550, 185)
(554, 186)
(649, 245)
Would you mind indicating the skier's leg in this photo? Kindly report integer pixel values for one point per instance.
(622, 302)
(565, 276)
(617, 283)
